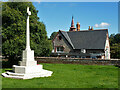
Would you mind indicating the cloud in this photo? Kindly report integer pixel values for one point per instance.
(36, 1)
(102, 25)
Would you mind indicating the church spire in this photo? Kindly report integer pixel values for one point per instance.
(72, 28)
(72, 23)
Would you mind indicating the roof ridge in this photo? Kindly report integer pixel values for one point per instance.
(88, 30)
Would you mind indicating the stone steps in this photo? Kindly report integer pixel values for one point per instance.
(14, 74)
(43, 73)
(11, 76)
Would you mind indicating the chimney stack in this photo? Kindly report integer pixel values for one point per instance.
(90, 28)
(78, 26)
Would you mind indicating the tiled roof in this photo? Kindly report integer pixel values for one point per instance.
(94, 39)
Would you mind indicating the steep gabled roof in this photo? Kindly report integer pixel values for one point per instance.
(86, 39)
(65, 34)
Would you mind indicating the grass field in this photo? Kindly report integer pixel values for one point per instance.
(69, 76)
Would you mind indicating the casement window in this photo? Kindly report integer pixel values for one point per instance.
(59, 49)
(83, 57)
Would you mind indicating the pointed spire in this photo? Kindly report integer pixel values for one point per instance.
(72, 28)
(72, 23)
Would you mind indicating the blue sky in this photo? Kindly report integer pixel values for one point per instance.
(57, 15)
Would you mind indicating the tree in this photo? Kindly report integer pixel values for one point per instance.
(14, 31)
(115, 45)
(53, 35)
(115, 50)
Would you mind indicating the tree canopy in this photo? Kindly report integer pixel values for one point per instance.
(53, 35)
(14, 15)
(115, 45)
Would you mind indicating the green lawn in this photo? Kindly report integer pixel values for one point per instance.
(69, 76)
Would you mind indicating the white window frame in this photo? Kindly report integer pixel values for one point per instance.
(60, 49)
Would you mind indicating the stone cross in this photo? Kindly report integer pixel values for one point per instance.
(28, 31)
(28, 67)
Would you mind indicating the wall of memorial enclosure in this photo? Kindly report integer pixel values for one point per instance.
(77, 61)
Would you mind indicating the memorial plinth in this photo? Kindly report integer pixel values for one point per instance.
(28, 67)
(28, 58)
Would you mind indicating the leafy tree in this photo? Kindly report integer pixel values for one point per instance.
(53, 35)
(115, 45)
(111, 39)
(14, 17)
(115, 50)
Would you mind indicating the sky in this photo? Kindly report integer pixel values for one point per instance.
(58, 15)
(61, 0)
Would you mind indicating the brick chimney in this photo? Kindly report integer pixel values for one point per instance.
(78, 26)
(90, 28)
(72, 28)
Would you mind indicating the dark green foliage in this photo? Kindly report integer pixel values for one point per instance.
(14, 17)
(115, 45)
(53, 35)
(115, 50)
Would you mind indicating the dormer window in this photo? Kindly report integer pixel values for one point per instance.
(83, 50)
(59, 37)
